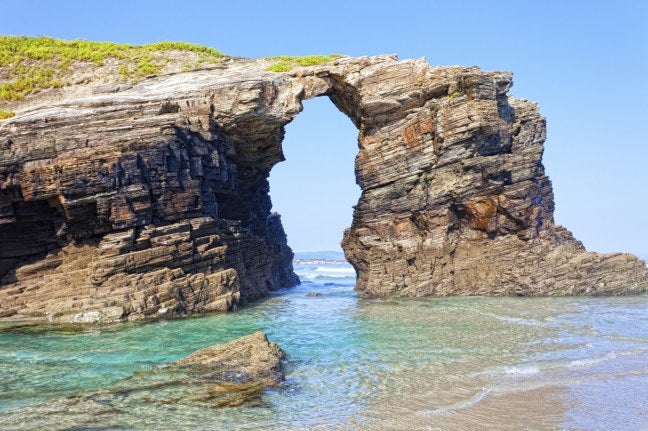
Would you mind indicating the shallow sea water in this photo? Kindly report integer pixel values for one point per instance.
(407, 364)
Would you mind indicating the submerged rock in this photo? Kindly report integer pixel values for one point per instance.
(230, 374)
(242, 367)
(153, 201)
(223, 375)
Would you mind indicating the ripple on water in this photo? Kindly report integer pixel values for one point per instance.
(457, 363)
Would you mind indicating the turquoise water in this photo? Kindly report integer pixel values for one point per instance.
(456, 363)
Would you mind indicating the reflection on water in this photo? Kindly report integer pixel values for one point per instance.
(453, 363)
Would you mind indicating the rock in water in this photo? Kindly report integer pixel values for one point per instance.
(247, 360)
(236, 372)
(152, 200)
(223, 375)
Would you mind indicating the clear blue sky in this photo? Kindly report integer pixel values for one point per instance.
(585, 62)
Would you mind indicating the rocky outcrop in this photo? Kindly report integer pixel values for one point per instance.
(153, 200)
(249, 360)
(223, 375)
(455, 198)
(120, 206)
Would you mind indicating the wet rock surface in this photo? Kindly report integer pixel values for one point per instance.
(246, 361)
(223, 375)
(153, 200)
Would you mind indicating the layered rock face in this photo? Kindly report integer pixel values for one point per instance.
(119, 202)
(125, 205)
(455, 198)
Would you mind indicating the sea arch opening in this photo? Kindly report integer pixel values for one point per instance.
(315, 189)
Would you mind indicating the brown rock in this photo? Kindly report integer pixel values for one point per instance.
(247, 360)
(153, 200)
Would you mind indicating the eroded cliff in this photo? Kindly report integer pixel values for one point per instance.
(124, 201)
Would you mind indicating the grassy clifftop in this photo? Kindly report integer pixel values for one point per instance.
(285, 63)
(30, 64)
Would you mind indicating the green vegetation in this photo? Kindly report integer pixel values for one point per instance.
(31, 64)
(285, 64)
(280, 66)
(36, 63)
(5, 114)
(453, 96)
(145, 67)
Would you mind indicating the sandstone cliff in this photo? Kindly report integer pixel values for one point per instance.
(151, 199)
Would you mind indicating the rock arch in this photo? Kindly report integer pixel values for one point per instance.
(122, 202)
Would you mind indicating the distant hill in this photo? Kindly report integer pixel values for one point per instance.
(319, 255)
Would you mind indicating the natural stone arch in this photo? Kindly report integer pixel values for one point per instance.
(153, 200)
(455, 199)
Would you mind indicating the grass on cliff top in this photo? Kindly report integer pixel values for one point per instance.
(35, 63)
(31, 64)
(285, 63)
(6, 114)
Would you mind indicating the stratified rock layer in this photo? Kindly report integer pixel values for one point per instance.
(120, 202)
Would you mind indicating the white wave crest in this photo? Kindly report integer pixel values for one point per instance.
(323, 272)
(460, 405)
(343, 270)
(590, 362)
(522, 370)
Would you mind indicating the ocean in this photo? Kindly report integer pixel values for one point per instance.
(353, 364)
